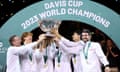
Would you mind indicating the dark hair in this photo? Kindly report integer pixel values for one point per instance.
(86, 31)
(78, 32)
(11, 39)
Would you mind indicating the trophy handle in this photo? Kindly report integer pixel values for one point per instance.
(57, 25)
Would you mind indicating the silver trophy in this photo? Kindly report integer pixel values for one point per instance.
(47, 24)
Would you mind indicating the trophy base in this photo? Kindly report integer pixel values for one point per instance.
(49, 35)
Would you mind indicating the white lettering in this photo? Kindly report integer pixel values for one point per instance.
(29, 22)
(46, 5)
(1, 44)
(90, 15)
(52, 12)
(55, 4)
(75, 3)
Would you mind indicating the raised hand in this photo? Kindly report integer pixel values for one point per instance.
(41, 37)
(55, 32)
(107, 69)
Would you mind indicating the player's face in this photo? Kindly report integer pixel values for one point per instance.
(75, 37)
(16, 41)
(86, 37)
(28, 39)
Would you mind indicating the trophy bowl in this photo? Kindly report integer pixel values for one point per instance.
(47, 24)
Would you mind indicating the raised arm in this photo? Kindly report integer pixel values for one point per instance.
(70, 43)
(28, 47)
(23, 49)
(70, 50)
(63, 39)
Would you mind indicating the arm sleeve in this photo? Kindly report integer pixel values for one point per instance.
(23, 49)
(70, 50)
(101, 55)
(69, 43)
